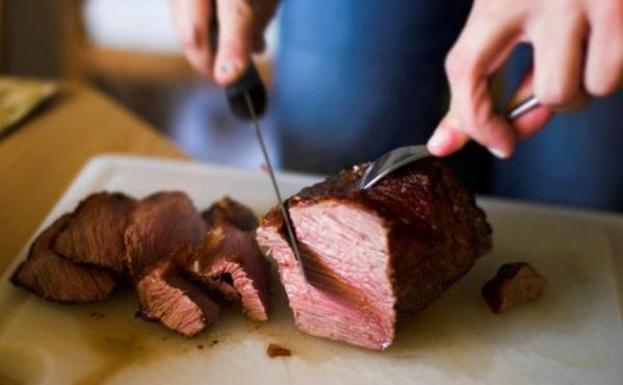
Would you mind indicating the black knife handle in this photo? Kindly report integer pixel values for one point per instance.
(250, 82)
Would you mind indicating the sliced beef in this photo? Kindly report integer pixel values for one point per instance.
(514, 284)
(229, 261)
(159, 225)
(55, 278)
(94, 233)
(167, 296)
(375, 255)
(163, 226)
(231, 211)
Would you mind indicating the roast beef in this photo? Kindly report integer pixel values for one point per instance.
(514, 284)
(372, 256)
(56, 278)
(167, 296)
(229, 261)
(159, 225)
(162, 226)
(233, 212)
(94, 233)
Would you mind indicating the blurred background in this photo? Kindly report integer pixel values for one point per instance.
(347, 81)
(129, 50)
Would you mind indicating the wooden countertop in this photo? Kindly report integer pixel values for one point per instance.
(40, 157)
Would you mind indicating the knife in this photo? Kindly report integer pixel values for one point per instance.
(247, 101)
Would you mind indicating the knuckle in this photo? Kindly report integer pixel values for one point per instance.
(189, 38)
(187, 43)
(240, 9)
(458, 64)
(451, 62)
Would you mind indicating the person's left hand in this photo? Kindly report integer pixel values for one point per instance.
(578, 54)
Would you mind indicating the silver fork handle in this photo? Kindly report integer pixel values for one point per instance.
(527, 105)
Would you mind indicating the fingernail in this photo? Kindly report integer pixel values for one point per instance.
(230, 69)
(223, 68)
(438, 139)
(497, 153)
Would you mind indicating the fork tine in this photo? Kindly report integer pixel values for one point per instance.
(390, 162)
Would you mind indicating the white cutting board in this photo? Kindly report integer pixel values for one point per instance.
(573, 335)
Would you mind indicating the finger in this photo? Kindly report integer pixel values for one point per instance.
(483, 46)
(532, 121)
(604, 65)
(446, 140)
(192, 18)
(236, 37)
(558, 57)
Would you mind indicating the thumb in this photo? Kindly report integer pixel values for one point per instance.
(447, 139)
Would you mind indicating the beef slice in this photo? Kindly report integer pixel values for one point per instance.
(56, 278)
(94, 234)
(229, 261)
(159, 225)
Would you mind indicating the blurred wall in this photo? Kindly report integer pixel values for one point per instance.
(31, 37)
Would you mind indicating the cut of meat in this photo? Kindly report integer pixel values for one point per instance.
(159, 225)
(167, 296)
(56, 278)
(372, 256)
(229, 210)
(151, 242)
(229, 260)
(514, 284)
(94, 233)
(164, 225)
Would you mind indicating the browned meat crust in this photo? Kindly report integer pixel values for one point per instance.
(231, 211)
(420, 223)
(94, 233)
(514, 284)
(55, 278)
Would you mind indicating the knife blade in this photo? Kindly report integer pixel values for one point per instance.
(284, 211)
(247, 100)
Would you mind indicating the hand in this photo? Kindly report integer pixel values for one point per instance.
(241, 32)
(578, 54)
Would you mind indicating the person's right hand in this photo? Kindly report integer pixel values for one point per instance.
(578, 54)
(241, 33)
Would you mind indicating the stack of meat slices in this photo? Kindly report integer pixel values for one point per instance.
(182, 263)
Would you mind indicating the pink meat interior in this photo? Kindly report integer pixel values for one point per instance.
(348, 296)
(238, 287)
(230, 261)
(169, 298)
